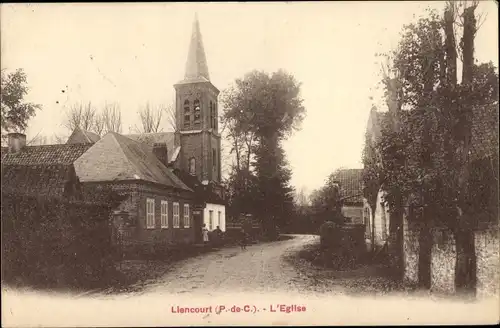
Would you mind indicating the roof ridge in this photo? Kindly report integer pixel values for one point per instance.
(124, 153)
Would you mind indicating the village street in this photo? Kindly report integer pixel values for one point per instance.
(266, 267)
(260, 267)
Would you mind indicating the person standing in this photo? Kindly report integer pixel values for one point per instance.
(243, 240)
(204, 232)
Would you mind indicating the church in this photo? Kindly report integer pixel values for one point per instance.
(172, 179)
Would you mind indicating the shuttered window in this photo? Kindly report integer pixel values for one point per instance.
(150, 213)
(164, 214)
(187, 218)
(175, 210)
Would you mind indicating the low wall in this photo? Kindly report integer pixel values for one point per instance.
(443, 257)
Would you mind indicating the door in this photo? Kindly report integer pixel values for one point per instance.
(197, 224)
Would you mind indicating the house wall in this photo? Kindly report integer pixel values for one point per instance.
(381, 221)
(216, 208)
(135, 205)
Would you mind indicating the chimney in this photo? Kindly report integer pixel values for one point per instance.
(16, 141)
(160, 150)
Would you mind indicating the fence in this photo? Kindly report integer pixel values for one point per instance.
(53, 241)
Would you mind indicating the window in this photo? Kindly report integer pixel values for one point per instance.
(210, 220)
(150, 213)
(175, 210)
(164, 214)
(186, 223)
(192, 166)
(213, 116)
(218, 221)
(187, 113)
(197, 112)
(214, 158)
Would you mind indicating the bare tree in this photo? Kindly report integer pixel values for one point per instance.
(150, 118)
(111, 118)
(80, 115)
(170, 117)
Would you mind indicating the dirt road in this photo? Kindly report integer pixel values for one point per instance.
(258, 268)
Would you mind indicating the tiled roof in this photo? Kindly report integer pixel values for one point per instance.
(37, 180)
(151, 138)
(117, 158)
(45, 155)
(82, 136)
(351, 184)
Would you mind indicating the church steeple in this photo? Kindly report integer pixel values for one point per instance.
(196, 65)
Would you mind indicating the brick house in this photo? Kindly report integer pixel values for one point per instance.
(158, 206)
(484, 164)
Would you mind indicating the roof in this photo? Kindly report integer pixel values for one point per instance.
(150, 139)
(37, 180)
(196, 64)
(374, 126)
(485, 131)
(351, 184)
(45, 155)
(118, 158)
(204, 193)
(82, 136)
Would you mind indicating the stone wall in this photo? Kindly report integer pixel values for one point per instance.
(488, 261)
(410, 248)
(443, 259)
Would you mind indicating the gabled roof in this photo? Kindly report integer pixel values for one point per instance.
(45, 155)
(82, 136)
(118, 158)
(351, 184)
(37, 180)
(374, 126)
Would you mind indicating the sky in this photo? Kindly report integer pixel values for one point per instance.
(133, 53)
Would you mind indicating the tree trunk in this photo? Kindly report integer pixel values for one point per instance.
(450, 45)
(395, 244)
(465, 265)
(465, 268)
(425, 249)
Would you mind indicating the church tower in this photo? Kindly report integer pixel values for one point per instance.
(197, 115)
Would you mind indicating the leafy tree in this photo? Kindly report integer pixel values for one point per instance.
(16, 112)
(424, 149)
(260, 111)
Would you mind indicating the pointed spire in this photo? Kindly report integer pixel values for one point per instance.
(196, 65)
